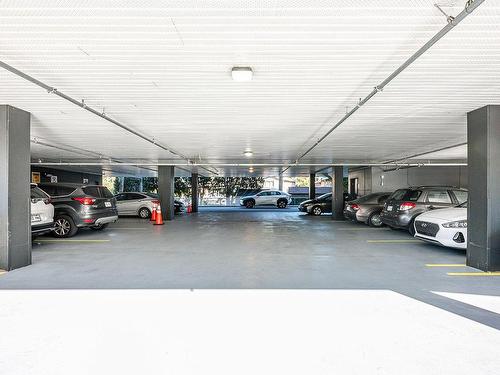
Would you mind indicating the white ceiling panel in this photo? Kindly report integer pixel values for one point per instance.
(163, 68)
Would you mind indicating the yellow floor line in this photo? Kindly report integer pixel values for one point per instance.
(392, 241)
(473, 273)
(445, 265)
(71, 240)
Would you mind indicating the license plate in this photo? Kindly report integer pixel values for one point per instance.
(35, 218)
(107, 204)
(389, 208)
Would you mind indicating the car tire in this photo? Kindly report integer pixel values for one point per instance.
(100, 227)
(144, 213)
(64, 227)
(281, 203)
(316, 211)
(374, 220)
(250, 203)
(411, 229)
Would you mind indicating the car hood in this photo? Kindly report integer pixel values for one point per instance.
(309, 201)
(450, 214)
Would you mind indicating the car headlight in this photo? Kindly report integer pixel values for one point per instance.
(455, 224)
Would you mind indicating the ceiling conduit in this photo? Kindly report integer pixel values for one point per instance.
(470, 6)
(81, 104)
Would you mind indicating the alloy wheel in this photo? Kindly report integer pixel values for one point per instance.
(317, 211)
(376, 220)
(62, 227)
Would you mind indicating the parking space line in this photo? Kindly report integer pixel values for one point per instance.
(473, 273)
(445, 265)
(393, 241)
(71, 240)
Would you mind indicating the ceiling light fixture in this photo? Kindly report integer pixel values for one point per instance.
(250, 169)
(242, 74)
(248, 153)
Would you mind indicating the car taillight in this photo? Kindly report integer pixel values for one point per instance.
(354, 206)
(405, 206)
(84, 200)
(155, 201)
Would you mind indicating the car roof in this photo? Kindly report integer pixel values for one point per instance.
(436, 187)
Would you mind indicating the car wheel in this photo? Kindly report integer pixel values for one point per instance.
(316, 211)
(411, 229)
(249, 203)
(281, 203)
(144, 213)
(100, 226)
(64, 227)
(374, 220)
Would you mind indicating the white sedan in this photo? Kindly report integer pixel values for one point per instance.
(446, 227)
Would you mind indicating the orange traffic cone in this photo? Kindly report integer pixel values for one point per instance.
(159, 217)
(153, 214)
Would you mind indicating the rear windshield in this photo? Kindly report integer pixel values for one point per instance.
(406, 195)
(324, 196)
(368, 198)
(93, 191)
(37, 193)
(55, 190)
(152, 195)
(105, 192)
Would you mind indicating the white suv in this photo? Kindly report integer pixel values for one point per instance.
(266, 198)
(42, 212)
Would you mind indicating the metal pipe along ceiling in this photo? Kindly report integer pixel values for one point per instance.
(471, 5)
(81, 104)
(245, 165)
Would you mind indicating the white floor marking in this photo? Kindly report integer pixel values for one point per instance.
(491, 303)
(81, 332)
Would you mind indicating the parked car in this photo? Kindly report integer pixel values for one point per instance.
(446, 227)
(367, 209)
(404, 205)
(42, 212)
(276, 198)
(80, 206)
(140, 204)
(320, 205)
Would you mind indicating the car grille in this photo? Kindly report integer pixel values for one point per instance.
(426, 228)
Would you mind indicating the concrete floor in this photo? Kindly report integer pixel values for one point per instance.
(135, 299)
(260, 248)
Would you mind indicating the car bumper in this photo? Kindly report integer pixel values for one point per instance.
(350, 215)
(92, 219)
(42, 228)
(395, 221)
(449, 237)
(304, 208)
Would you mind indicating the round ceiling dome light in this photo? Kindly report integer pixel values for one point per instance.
(242, 73)
(248, 153)
(250, 169)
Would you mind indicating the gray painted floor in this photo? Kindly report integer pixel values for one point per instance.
(260, 248)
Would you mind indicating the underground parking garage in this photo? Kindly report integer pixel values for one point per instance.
(254, 187)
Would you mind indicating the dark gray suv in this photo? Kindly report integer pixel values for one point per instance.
(404, 205)
(80, 206)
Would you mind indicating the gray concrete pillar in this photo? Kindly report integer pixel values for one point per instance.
(15, 223)
(166, 191)
(338, 193)
(280, 182)
(312, 185)
(194, 192)
(483, 147)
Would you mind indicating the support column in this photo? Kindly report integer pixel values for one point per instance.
(312, 185)
(338, 193)
(483, 147)
(280, 182)
(15, 224)
(194, 192)
(166, 191)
